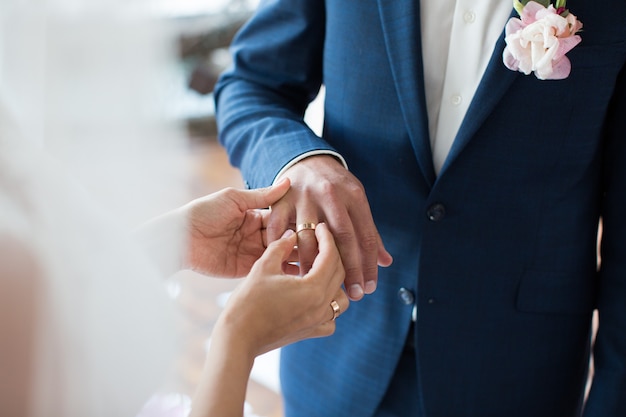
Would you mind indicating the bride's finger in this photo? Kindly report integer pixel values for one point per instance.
(294, 257)
(323, 330)
(339, 304)
(291, 268)
(307, 240)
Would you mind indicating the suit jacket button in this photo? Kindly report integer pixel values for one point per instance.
(406, 296)
(436, 212)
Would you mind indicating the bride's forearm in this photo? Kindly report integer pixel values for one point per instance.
(222, 389)
(21, 293)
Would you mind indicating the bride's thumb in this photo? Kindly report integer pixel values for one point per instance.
(283, 247)
(261, 198)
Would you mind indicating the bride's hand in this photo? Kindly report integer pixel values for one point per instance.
(272, 308)
(226, 230)
(269, 309)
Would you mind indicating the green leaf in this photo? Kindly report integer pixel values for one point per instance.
(560, 3)
(518, 6)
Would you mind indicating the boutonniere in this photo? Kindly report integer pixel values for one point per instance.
(538, 40)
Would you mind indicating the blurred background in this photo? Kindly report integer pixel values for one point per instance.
(204, 31)
(119, 91)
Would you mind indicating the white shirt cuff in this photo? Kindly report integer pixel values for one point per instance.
(306, 155)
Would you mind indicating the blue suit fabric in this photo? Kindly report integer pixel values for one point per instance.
(505, 276)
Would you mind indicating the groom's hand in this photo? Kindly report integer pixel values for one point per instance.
(322, 190)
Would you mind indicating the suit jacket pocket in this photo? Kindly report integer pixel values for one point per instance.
(556, 292)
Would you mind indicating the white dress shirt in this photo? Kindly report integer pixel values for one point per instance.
(458, 38)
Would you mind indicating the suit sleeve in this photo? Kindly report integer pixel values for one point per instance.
(608, 393)
(261, 99)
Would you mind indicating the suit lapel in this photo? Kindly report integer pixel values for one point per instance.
(401, 27)
(495, 82)
(400, 22)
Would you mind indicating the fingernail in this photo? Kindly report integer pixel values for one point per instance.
(355, 292)
(370, 287)
(287, 233)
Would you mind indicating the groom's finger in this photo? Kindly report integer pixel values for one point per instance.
(278, 220)
(307, 241)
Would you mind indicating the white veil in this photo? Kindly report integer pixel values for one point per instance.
(83, 146)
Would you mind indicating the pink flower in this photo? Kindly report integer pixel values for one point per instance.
(539, 40)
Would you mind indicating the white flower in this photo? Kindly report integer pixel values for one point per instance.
(539, 41)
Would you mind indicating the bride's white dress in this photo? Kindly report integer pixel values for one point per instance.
(105, 329)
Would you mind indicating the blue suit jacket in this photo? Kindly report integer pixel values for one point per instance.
(505, 278)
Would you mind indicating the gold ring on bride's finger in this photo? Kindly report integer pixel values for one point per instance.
(336, 309)
(305, 226)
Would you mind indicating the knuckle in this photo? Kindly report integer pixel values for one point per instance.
(326, 186)
(330, 329)
(357, 191)
(368, 243)
(353, 275)
(343, 234)
(229, 192)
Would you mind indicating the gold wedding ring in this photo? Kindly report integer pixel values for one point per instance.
(305, 226)
(336, 309)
